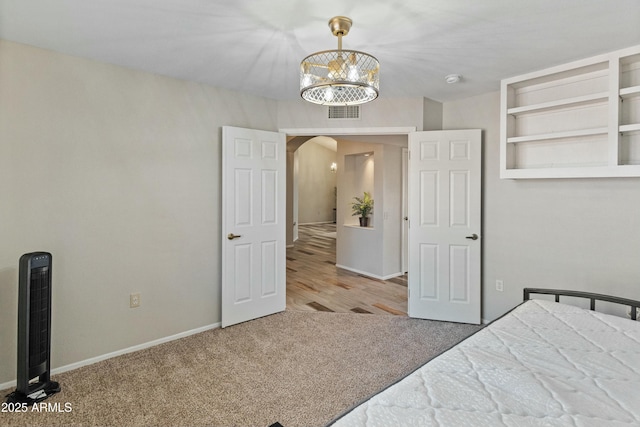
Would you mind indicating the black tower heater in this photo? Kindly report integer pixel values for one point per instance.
(34, 330)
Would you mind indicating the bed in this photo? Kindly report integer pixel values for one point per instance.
(545, 363)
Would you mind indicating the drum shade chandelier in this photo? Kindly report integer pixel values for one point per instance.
(339, 77)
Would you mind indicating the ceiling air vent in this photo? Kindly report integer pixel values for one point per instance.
(348, 112)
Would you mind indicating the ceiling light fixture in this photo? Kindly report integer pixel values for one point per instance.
(339, 77)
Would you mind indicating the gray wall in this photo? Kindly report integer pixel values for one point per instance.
(316, 183)
(565, 233)
(117, 173)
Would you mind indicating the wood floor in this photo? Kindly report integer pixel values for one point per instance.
(314, 283)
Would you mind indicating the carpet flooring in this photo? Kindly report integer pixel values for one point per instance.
(295, 368)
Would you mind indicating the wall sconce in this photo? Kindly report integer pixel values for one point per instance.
(333, 167)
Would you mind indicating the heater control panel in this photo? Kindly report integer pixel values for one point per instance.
(40, 260)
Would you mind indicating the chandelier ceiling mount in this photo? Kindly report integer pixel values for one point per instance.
(339, 77)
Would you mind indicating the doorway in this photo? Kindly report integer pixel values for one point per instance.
(266, 151)
(314, 283)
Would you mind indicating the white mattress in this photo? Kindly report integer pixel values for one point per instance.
(543, 364)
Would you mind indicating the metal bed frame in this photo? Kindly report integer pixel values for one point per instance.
(634, 304)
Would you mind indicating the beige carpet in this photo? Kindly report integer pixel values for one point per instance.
(296, 368)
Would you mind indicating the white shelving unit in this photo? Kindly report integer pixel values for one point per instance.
(629, 110)
(576, 120)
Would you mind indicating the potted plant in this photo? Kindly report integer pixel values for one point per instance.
(363, 206)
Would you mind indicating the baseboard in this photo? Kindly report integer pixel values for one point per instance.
(391, 276)
(138, 347)
(366, 273)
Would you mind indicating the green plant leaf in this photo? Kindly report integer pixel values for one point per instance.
(362, 206)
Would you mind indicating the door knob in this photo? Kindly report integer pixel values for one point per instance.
(474, 236)
(232, 236)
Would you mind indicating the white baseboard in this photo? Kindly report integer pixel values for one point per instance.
(391, 276)
(7, 385)
(366, 273)
(138, 347)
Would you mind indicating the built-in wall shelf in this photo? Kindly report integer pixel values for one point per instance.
(630, 128)
(629, 92)
(358, 178)
(558, 135)
(624, 171)
(576, 120)
(358, 227)
(561, 103)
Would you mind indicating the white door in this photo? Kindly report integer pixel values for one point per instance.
(444, 230)
(253, 224)
(405, 211)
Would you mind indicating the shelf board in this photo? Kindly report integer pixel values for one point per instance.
(628, 92)
(359, 227)
(591, 98)
(558, 135)
(629, 128)
(581, 70)
(618, 171)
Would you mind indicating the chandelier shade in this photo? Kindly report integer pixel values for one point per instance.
(339, 77)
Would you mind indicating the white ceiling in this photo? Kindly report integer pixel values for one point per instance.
(256, 45)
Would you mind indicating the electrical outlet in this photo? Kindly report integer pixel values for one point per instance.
(134, 300)
(499, 285)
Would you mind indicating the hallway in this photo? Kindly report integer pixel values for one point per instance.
(315, 284)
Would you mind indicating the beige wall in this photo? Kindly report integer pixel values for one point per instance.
(384, 112)
(432, 114)
(392, 210)
(117, 173)
(579, 234)
(316, 183)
